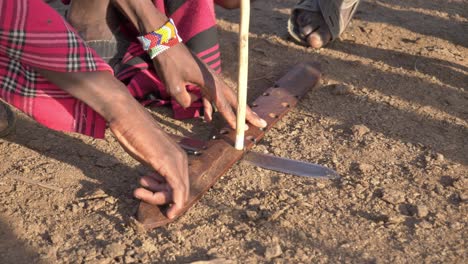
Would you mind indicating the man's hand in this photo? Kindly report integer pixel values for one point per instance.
(147, 142)
(136, 131)
(178, 67)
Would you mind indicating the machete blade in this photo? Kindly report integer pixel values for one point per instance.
(289, 166)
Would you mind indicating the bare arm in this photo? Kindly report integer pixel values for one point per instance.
(134, 128)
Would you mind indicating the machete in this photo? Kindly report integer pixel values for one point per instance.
(266, 161)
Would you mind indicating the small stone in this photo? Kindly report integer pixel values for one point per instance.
(129, 259)
(424, 225)
(393, 196)
(464, 196)
(282, 196)
(341, 89)
(98, 205)
(457, 226)
(25, 170)
(106, 162)
(320, 185)
(396, 219)
(461, 183)
(252, 215)
(110, 200)
(149, 246)
(114, 250)
(439, 157)
(254, 201)
(365, 168)
(273, 251)
(56, 238)
(422, 211)
(75, 208)
(359, 130)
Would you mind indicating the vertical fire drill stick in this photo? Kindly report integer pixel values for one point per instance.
(243, 73)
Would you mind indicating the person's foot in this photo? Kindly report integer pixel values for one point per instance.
(94, 20)
(314, 28)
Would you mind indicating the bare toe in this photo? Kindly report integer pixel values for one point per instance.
(319, 38)
(313, 28)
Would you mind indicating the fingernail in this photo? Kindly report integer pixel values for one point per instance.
(246, 127)
(263, 123)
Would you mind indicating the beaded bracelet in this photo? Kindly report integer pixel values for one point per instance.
(160, 40)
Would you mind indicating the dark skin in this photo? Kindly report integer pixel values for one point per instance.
(133, 127)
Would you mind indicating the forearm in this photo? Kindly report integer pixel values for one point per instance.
(142, 14)
(99, 90)
(128, 120)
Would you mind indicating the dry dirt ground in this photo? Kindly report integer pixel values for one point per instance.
(390, 116)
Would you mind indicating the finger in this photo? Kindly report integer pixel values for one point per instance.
(180, 94)
(208, 110)
(178, 205)
(254, 119)
(251, 116)
(180, 193)
(153, 185)
(155, 198)
(225, 109)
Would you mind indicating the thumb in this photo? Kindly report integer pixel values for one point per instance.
(179, 93)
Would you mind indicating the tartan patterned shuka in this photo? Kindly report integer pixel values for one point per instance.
(33, 35)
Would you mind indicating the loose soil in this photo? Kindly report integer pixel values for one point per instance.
(390, 116)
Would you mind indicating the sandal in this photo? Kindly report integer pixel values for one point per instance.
(337, 15)
(10, 118)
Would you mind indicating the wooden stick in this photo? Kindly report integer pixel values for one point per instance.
(243, 73)
(33, 182)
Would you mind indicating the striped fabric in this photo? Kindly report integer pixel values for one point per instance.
(196, 24)
(33, 35)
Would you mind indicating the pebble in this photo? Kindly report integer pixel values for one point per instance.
(98, 205)
(457, 226)
(365, 168)
(114, 250)
(252, 215)
(464, 196)
(393, 196)
(341, 89)
(439, 157)
(273, 251)
(149, 246)
(359, 130)
(422, 211)
(320, 185)
(425, 225)
(254, 201)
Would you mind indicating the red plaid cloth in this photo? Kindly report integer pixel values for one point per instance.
(196, 24)
(33, 35)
